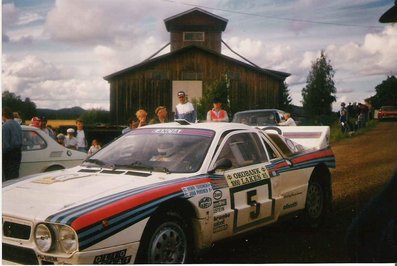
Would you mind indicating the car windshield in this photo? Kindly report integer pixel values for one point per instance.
(156, 149)
(262, 118)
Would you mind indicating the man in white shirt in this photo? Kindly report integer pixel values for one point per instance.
(81, 136)
(185, 109)
(288, 121)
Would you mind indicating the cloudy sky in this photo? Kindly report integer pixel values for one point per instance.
(56, 52)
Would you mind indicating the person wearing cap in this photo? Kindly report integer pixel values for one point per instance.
(161, 115)
(184, 109)
(217, 114)
(70, 140)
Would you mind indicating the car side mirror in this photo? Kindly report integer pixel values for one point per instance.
(221, 164)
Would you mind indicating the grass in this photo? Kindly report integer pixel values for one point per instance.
(337, 135)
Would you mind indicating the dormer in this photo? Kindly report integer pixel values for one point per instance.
(196, 26)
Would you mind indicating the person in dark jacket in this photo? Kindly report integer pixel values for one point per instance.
(12, 145)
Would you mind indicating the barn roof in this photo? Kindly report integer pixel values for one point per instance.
(190, 20)
(276, 74)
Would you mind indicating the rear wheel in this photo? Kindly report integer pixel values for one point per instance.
(315, 208)
(166, 241)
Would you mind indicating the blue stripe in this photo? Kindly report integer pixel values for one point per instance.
(97, 233)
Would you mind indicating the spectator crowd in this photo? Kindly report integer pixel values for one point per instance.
(353, 117)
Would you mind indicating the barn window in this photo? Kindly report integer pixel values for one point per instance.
(193, 36)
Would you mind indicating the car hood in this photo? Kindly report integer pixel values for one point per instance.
(42, 195)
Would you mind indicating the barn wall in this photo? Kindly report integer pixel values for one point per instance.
(151, 85)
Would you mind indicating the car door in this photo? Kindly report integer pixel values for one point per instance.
(248, 180)
(289, 180)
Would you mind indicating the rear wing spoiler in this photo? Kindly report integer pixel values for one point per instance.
(310, 137)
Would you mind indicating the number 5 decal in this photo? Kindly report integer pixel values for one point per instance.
(253, 203)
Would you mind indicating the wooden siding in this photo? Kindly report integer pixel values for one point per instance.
(138, 88)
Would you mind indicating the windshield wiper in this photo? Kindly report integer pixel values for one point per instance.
(141, 166)
(100, 163)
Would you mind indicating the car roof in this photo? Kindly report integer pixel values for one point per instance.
(259, 110)
(218, 127)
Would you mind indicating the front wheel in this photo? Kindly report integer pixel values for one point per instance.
(166, 241)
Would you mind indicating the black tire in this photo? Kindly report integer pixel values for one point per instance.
(166, 240)
(316, 205)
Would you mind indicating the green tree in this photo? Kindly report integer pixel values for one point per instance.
(319, 93)
(218, 89)
(26, 107)
(386, 93)
(285, 98)
(95, 116)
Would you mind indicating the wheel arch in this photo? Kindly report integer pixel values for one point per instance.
(179, 208)
(322, 174)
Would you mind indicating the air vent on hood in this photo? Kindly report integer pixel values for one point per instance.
(137, 173)
(115, 172)
(88, 170)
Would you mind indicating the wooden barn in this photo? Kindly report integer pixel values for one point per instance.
(194, 62)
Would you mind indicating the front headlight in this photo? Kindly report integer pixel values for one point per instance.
(43, 237)
(67, 239)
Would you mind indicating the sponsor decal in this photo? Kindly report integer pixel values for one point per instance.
(117, 257)
(205, 203)
(219, 206)
(167, 131)
(195, 190)
(290, 205)
(219, 223)
(246, 175)
(217, 194)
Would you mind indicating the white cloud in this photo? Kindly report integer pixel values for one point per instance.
(52, 86)
(9, 14)
(99, 21)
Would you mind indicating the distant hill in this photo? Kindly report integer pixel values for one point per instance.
(65, 113)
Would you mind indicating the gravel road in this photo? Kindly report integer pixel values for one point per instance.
(364, 164)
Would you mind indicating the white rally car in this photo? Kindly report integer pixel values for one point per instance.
(163, 192)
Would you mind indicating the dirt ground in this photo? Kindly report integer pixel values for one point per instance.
(363, 165)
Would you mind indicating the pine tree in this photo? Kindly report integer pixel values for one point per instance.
(319, 93)
(285, 98)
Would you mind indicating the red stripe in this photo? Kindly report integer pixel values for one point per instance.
(130, 202)
(312, 156)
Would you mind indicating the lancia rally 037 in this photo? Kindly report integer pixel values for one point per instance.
(161, 193)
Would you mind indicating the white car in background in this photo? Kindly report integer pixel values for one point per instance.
(41, 153)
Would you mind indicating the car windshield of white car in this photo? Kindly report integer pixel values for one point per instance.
(262, 118)
(175, 150)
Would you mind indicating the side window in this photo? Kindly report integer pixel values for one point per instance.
(32, 141)
(272, 153)
(243, 149)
